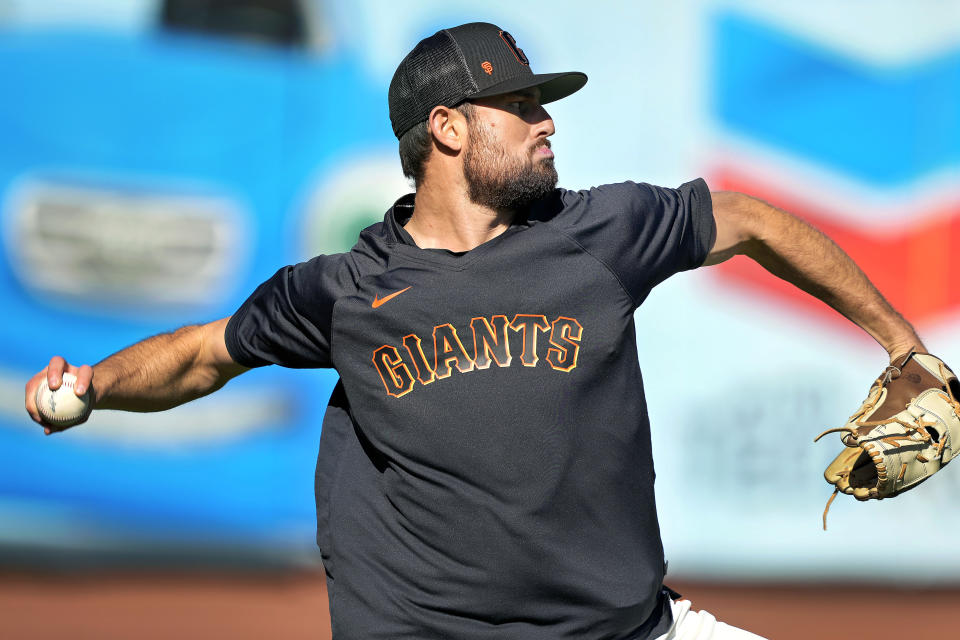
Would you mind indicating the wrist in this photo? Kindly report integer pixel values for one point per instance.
(899, 350)
(100, 387)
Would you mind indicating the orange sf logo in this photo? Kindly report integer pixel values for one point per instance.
(487, 67)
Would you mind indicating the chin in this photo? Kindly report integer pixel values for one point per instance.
(544, 164)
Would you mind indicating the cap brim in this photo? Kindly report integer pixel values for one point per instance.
(553, 86)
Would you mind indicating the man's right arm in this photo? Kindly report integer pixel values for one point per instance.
(152, 375)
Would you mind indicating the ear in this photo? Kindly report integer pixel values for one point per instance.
(449, 127)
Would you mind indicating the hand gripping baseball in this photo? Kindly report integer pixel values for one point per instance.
(60, 396)
(903, 433)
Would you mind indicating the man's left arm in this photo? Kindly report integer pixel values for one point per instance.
(791, 249)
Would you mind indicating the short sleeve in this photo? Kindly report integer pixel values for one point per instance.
(287, 320)
(641, 232)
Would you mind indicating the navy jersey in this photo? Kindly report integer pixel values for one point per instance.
(494, 479)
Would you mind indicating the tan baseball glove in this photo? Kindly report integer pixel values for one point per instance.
(903, 433)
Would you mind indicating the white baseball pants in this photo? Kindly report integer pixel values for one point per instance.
(701, 625)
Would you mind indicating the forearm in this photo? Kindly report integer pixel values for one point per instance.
(791, 249)
(163, 371)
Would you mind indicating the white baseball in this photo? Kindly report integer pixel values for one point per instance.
(63, 407)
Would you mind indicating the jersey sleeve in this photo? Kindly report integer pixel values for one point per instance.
(643, 233)
(287, 320)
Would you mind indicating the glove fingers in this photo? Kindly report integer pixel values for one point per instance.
(837, 471)
(852, 472)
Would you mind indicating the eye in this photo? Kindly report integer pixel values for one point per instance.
(521, 107)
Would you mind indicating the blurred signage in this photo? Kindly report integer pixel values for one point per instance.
(348, 199)
(860, 132)
(96, 244)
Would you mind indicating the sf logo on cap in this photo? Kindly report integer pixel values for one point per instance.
(486, 66)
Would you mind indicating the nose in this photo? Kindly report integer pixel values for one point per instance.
(543, 124)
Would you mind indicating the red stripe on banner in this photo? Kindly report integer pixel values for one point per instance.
(915, 266)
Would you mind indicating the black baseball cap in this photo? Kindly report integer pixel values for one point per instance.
(473, 60)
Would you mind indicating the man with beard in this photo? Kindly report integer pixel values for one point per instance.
(485, 468)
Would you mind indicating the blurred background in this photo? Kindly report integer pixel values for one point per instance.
(160, 158)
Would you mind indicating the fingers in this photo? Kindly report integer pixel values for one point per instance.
(53, 374)
(84, 377)
(58, 366)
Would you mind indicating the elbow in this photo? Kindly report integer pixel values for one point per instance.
(742, 213)
(757, 228)
(740, 220)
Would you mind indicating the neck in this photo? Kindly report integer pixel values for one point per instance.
(447, 219)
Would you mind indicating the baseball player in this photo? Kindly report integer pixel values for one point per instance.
(485, 466)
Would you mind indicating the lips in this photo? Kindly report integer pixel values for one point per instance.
(543, 151)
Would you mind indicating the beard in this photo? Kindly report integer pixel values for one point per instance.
(503, 182)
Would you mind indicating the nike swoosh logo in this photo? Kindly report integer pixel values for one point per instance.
(377, 300)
